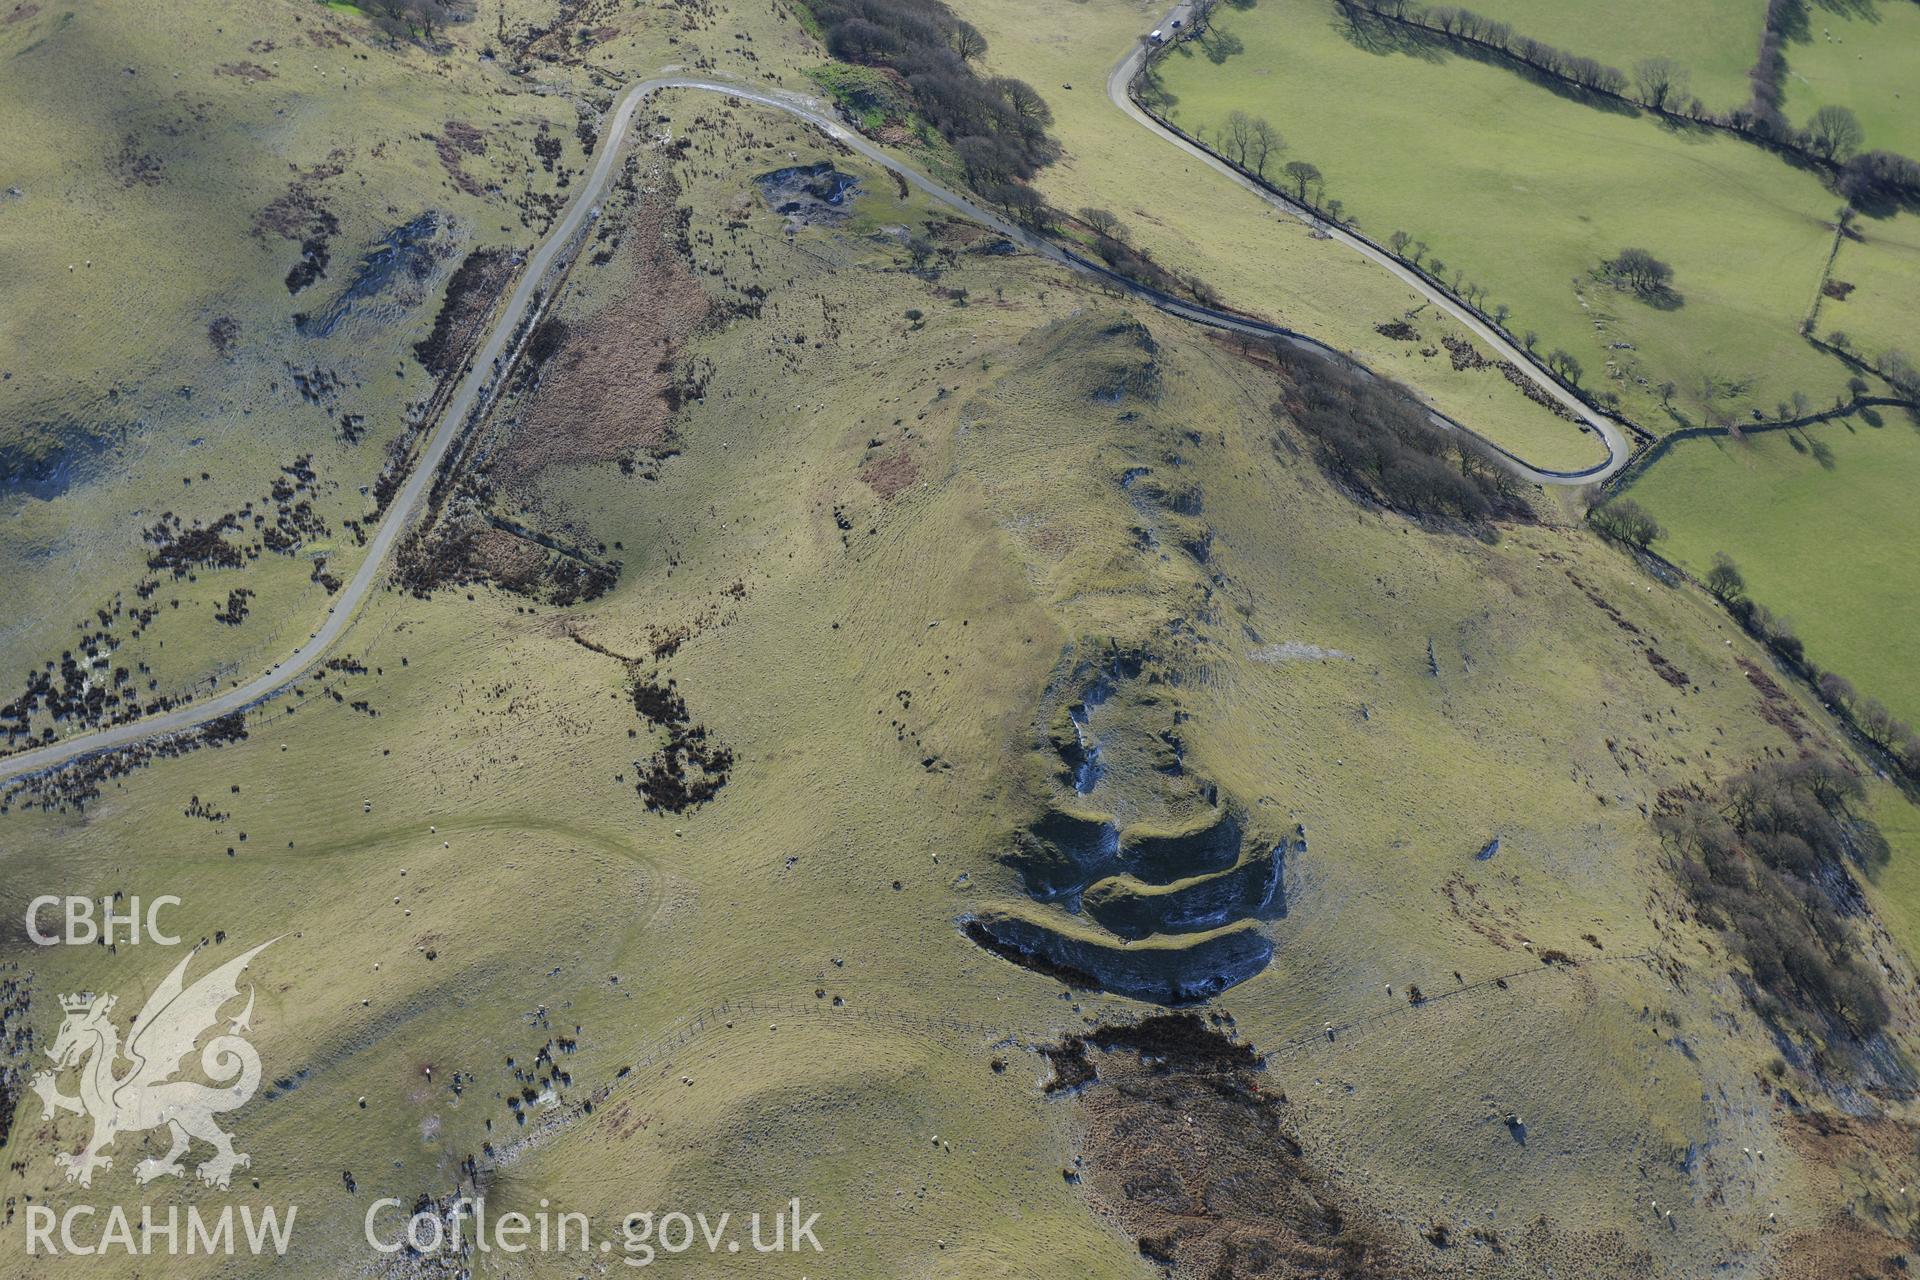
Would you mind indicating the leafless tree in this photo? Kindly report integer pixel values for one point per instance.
(1263, 145)
(1661, 82)
(1834, 133)
(968, 42)
(1302, 175)
(1237, 137)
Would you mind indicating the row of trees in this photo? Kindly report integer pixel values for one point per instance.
(403, 19)
(1250, 142)
(1465, 24)
(1832, 137)
(1628, 521)
(997, 125)
(1113, 244)
(1869, 714)
(1874, 719)
(1767, 77)
(1833, 134)
(1254, 145)
(1415, 252)
(1880, 177)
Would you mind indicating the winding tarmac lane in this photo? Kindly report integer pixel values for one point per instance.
(477, 382)
(1119, 86)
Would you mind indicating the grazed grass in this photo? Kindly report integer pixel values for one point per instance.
(1715, 40)
(880, 656)
(1809, 517)
(1526, 192)
(1883, 266)
(176, 161)
(1197, 223)
(1860, 56)
(547, 885)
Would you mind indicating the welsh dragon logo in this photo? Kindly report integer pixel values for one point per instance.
(147, 1096)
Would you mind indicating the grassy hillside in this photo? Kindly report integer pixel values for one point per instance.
(656, 895)
(275, 206)
(897, 512)
(233, 226)
(1806, 517)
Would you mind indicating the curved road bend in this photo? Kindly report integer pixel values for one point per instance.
(582, 210)
(1119, 81)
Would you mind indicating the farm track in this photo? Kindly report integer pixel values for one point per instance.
(490, 364)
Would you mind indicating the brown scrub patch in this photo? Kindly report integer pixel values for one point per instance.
(1859, 1166)
(473, 291)
(1195, 1152)
(889, 476)
(513, 562)
(1192, 1154)
(609, 392)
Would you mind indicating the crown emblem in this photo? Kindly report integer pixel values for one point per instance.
(80, 1003)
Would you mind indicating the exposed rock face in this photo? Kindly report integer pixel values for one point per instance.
(1167, 904)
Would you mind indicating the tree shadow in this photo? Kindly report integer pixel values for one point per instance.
(1880, 203)
(1220, 45)
(1155, 95)
(1680, 129)
(1863, 10)
(1789, 18)
(1554, 85)
(1375, 35)
(1867, 846)
(1661, 297)
(1822, 451)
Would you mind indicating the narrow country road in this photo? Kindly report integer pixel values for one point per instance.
(1119, 86)
(477, 383)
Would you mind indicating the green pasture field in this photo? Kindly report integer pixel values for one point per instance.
(1814, 521)
(1881, 312)
(1525, 192)
(1860, 55)
(1715, 40)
